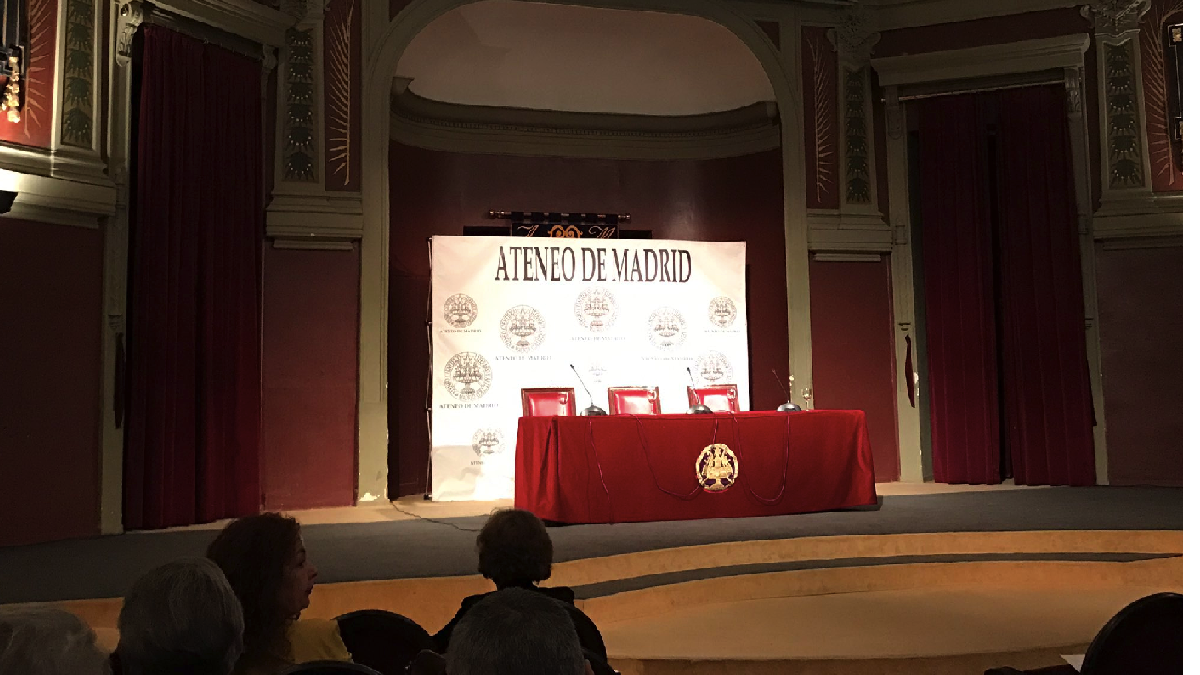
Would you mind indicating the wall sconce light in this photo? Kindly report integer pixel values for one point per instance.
(12, 58)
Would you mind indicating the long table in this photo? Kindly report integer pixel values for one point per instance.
(634, 468)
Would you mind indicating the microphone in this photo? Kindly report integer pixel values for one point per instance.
(592, 410)
(789, 406)
(699, 408)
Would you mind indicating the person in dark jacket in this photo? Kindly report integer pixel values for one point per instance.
(515, 551)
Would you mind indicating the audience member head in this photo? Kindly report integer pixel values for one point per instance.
(45, 640)
(514, 549)
(515, 631)
(264, 559)
(180, 619)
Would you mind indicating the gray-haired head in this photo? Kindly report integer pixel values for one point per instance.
(46, 640)
(182, 617)
(515, 631)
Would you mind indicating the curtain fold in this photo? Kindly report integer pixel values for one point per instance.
(1047, 393)
(959, 292)
(193, 436)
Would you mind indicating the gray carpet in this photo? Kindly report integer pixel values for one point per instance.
(106, 566)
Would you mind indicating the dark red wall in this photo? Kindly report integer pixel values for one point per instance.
(51, 284)
(310, 378)
(854, 365)
(735, 199)
(1141, 343)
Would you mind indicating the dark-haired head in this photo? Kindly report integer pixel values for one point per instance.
(263, 558)
(514, 549)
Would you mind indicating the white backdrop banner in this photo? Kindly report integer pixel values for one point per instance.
(517, 312)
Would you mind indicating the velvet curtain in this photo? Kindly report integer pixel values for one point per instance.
(193, 433)
(1004, 290)
(959, 292)
(1047, 392)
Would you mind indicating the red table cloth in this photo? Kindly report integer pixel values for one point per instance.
(633, 468)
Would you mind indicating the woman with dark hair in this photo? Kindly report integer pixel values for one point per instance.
(515, 551)
(264, 559)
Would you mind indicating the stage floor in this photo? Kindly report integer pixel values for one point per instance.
(415, 539)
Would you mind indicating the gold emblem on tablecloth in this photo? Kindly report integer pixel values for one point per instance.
(716, 467)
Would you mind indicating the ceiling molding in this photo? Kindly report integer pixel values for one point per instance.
(894, 14)
(435, 125)
(842, 240)
(55, 187)
(327, 220)
(1026, 56)
(1139, 215)
(249, 20)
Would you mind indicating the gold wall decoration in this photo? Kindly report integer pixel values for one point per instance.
(824, 121)
(338, 89)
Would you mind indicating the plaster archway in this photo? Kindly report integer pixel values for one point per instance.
(382, 51)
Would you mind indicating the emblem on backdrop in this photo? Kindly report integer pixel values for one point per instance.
(713, 367)
(596, 309)
(722, 312)
(523, 329)
(668, 330)
(597, 371)
(460, 310)
(486, 441)
(716, 467)
(468, 376)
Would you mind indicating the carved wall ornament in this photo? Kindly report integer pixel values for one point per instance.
(78, 73)
(1122, 118)
(1115, 20)
(129, 19)
(857, 150)
(1073, 83)
(304, 10)
(299, 157)
(854, 38)
(893, 114)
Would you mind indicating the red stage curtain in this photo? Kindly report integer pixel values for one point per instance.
(1047, 395)
(959, 301)
(193, 436)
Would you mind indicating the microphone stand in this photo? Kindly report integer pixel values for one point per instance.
(699, 408)
(788, 406)
(592, 410)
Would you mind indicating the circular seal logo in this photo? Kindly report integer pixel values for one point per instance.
(722, 312)
(523, 329)
(667, 328)
(468, 376)
(716, 467)
(713, 367)
(460, 310)
(486, 441)
(597, 370)
(596, 309)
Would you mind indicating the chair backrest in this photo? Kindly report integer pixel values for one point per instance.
(1144, 637)
(329, 668)
(589, 635)
(716, 397)
(383, 640)
(548, 401)
(633, 401)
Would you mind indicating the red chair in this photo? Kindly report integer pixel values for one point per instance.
(717, 397)
(548, 402)
(633, 401)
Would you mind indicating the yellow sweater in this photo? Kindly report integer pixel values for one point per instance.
(308, 640)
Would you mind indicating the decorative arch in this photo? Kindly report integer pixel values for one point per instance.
(382, 51)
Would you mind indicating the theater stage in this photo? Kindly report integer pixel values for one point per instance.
(936, 580)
